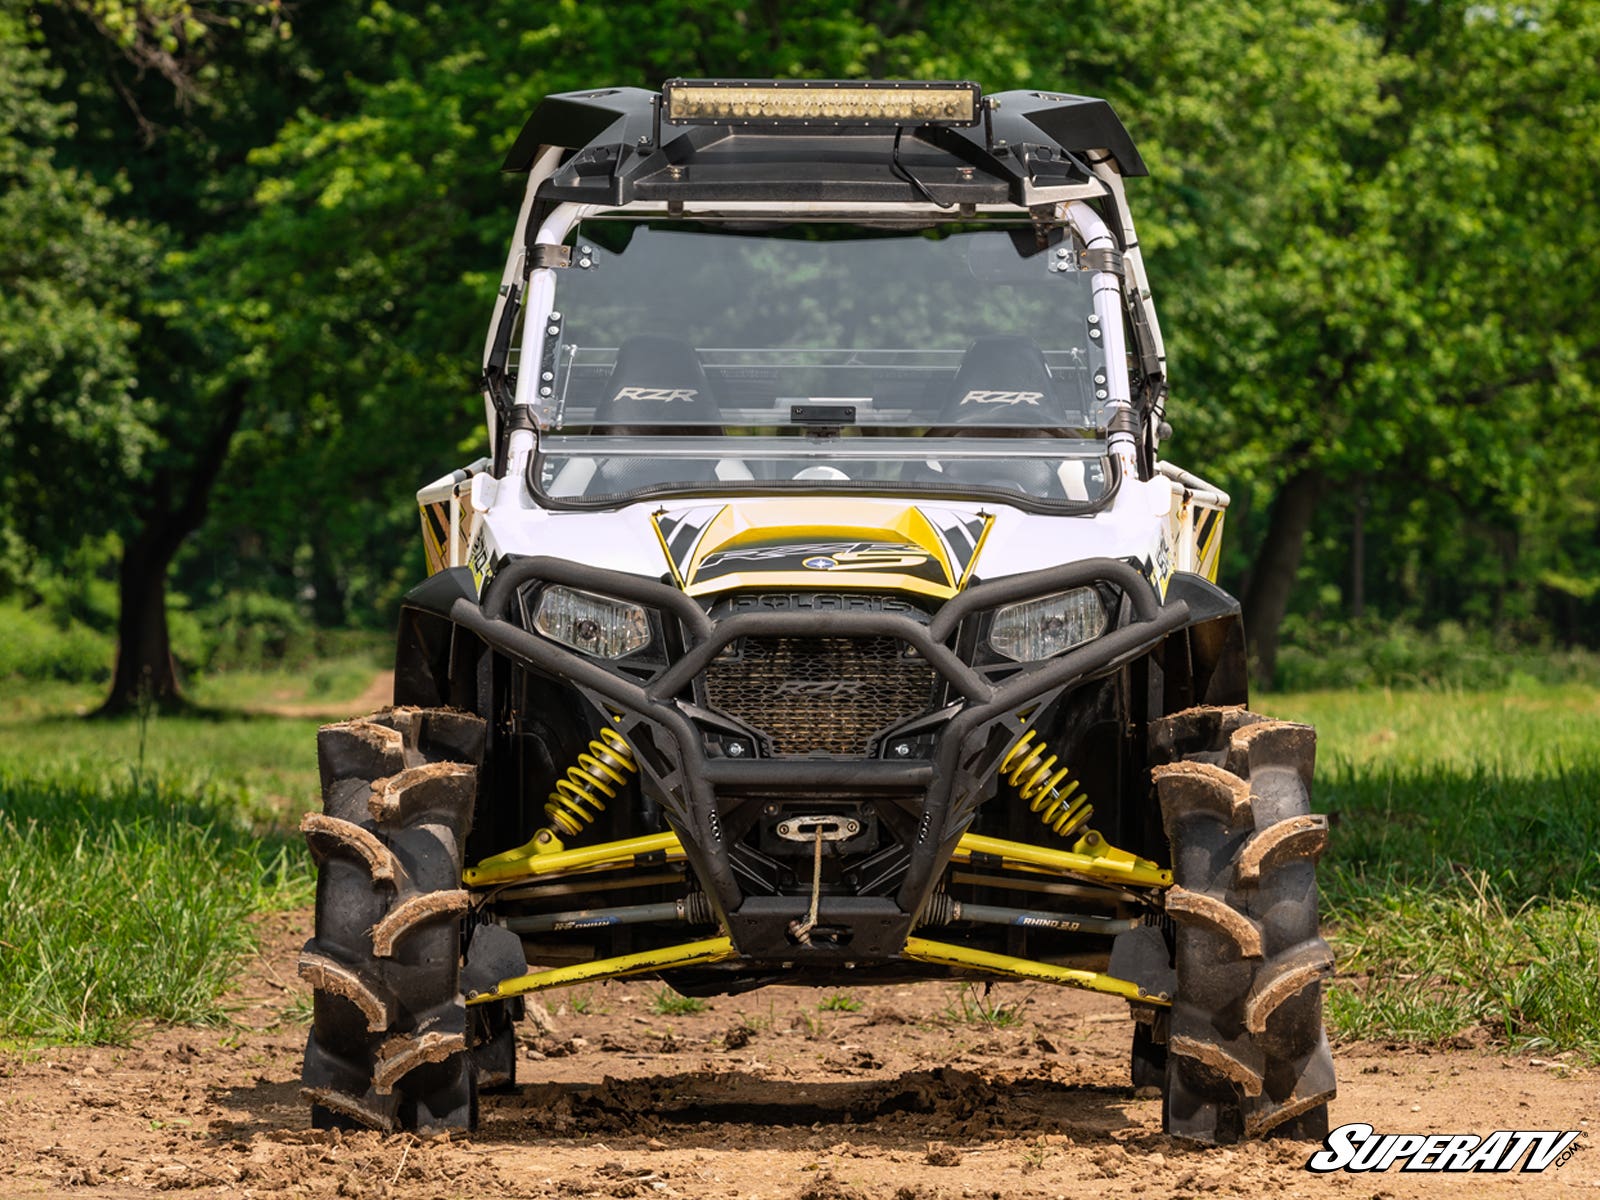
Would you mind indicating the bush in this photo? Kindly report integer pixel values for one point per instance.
(249, 629)
(1372, 652)
(36, 646)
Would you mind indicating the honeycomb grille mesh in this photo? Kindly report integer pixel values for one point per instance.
(820, 695)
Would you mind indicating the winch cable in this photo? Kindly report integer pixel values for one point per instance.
(802, 929)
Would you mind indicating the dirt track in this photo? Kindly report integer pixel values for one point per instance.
(761, 1095)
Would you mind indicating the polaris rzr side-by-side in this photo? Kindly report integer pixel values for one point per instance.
(823, 613)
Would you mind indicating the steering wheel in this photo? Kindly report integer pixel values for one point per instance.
(831, 474)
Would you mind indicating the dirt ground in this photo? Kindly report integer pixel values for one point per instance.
(765, 1096)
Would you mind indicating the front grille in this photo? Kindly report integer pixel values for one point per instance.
(820, 695)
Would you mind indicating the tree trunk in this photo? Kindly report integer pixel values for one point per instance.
(175, 503)
(327, 599)
(1358, 554)
(1276, 563)
(145, 674)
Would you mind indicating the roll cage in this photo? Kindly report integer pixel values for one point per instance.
(1051, 158)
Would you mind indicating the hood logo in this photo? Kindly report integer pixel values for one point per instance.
(821, 562)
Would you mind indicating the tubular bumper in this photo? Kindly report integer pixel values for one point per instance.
(688, 783)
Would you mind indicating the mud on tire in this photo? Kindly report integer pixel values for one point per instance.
(389, 1039)
(1247, 1054)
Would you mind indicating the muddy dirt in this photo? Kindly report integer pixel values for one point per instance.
(764, 1096)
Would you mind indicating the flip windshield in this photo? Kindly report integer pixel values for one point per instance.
(745, 355)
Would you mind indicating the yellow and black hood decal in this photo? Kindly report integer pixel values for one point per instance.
(822, 543)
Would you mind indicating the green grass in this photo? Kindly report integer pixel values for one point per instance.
(972, 1004)
(267, 766)
(840, 1002)
(133, 852)
(1462, 884)
(667, 1003)
(230, 742)
(127, 900)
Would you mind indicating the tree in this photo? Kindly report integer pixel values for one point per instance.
(73, 423)
(197, 122)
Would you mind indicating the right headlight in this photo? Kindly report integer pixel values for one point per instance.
(595, 625)
(1043, 628)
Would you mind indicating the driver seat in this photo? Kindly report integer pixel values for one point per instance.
(1004, 389)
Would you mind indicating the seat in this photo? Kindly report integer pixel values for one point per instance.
(657, 388)
(1003, 389)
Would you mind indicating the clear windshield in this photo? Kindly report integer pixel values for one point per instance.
(688, 352)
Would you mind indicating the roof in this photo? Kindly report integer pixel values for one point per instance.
(623, 152)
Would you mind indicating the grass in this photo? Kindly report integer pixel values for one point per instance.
(971, 1005)
(133, 852)
(127, 901)
(840, 1002)
(230, 742)
(667, 1003)
(1462, 884)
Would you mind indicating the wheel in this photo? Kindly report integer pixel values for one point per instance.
(388, 1047)
(1247, 1054)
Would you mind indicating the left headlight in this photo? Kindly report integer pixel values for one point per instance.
(1043, 628)
(592, 624)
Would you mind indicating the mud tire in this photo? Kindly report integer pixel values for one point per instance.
(389, 1046)
(1247, 1054)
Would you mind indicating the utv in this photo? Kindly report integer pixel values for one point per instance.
(823, 614)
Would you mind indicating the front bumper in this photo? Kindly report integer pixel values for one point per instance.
(695, 789)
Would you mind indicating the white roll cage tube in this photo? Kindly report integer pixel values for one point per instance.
(537, 306)
(1138, 281)
(544, 165)
(1107, 290)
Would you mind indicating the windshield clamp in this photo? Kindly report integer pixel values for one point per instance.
(546, 255)
(1108, 262)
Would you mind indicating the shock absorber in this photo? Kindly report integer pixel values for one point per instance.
(1049, 790)
(599, 775)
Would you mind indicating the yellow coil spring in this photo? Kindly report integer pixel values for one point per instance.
(1031, 769)
(600, 773)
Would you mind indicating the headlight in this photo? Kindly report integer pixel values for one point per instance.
(595, 625)
(1038, 629)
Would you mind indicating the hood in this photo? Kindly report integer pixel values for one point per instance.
(823, 543)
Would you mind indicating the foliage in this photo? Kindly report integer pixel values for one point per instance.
(257, 764)
(35, 647)
(1374, 652)
(54, 639)
(68, 362)
(1364, 223)
(1436, 966)
(975, 1004)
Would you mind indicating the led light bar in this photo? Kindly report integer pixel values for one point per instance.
(818, 102)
